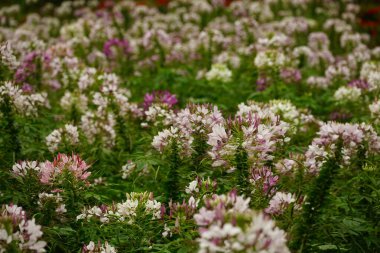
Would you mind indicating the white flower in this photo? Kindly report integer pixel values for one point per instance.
(375, 110)
(128, 169)
(279, 202)
(71, 133)
(69, 100)
(374, 80)
(102, 248)
(5, 237)
(269, 59)
(81, 216)
(7, 56)
(193, 203)
(167, 232)
(68, 133)
(128, 208)
(61, 209)
(21, 169)
(347, 94)
(26, 105)
(217, 136)
(219, 72)
(192, 187)
(53, 140)
(154, 207)
(107, 248)
(91, 246)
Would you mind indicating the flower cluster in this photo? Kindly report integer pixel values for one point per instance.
(18, 232)
(7, 56)
(98, 248)
(160, 97)
(289, 165)
(136, 204)
(297, 118)
(375, 110)
(185, 98)
(347, 94)
(280, 202)
(227, 224)
(219, 72)
(49, 172)
(370, 72)
(24, 103)
(52, 198)
(201, 186)
(258, 136)
(68, 134)
(128, 169)
(264, 179)
(349, 137)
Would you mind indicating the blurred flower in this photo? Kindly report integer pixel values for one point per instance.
(123, 45)
(219, 72)
(160, 97)
(16, 231)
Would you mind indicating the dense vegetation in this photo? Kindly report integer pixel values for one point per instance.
(193, 126)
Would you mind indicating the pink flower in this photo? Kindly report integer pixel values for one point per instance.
(74, 164)
(118, 43)
(352, 136)
(279, 202)
(26, 232)
(263, 177)
(162, 97)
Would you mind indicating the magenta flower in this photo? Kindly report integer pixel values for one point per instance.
(163, 97)
(265, 178)
(27, 88)
(117, 43)
(359, 83)
(339, 116)
(262, 83)
(27, 67)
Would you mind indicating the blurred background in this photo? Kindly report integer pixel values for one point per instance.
(369, 17)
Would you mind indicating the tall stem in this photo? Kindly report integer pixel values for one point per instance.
(172, 182)
(316, 199)
(11, 143)
(241, 161)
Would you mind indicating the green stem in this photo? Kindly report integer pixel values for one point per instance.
(241, 161)
(172, 183)
(316, 200)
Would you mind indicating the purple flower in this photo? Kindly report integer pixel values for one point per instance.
(27, 88)
(164, 97)
(291, 75)
(27, 68)
(339, 116)
(264, 177)
(262, 83)
(359, 83)
(118, 43)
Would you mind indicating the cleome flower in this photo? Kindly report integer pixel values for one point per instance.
(98, 248)
(127, 211)
(16, 231)
(68, 134)
(24, 103)
(219, 72)
(280, 202)
(227, 224)
(48, 172)
(352, 136)
(259, 136)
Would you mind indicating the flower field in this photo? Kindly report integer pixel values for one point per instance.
(189, 126)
